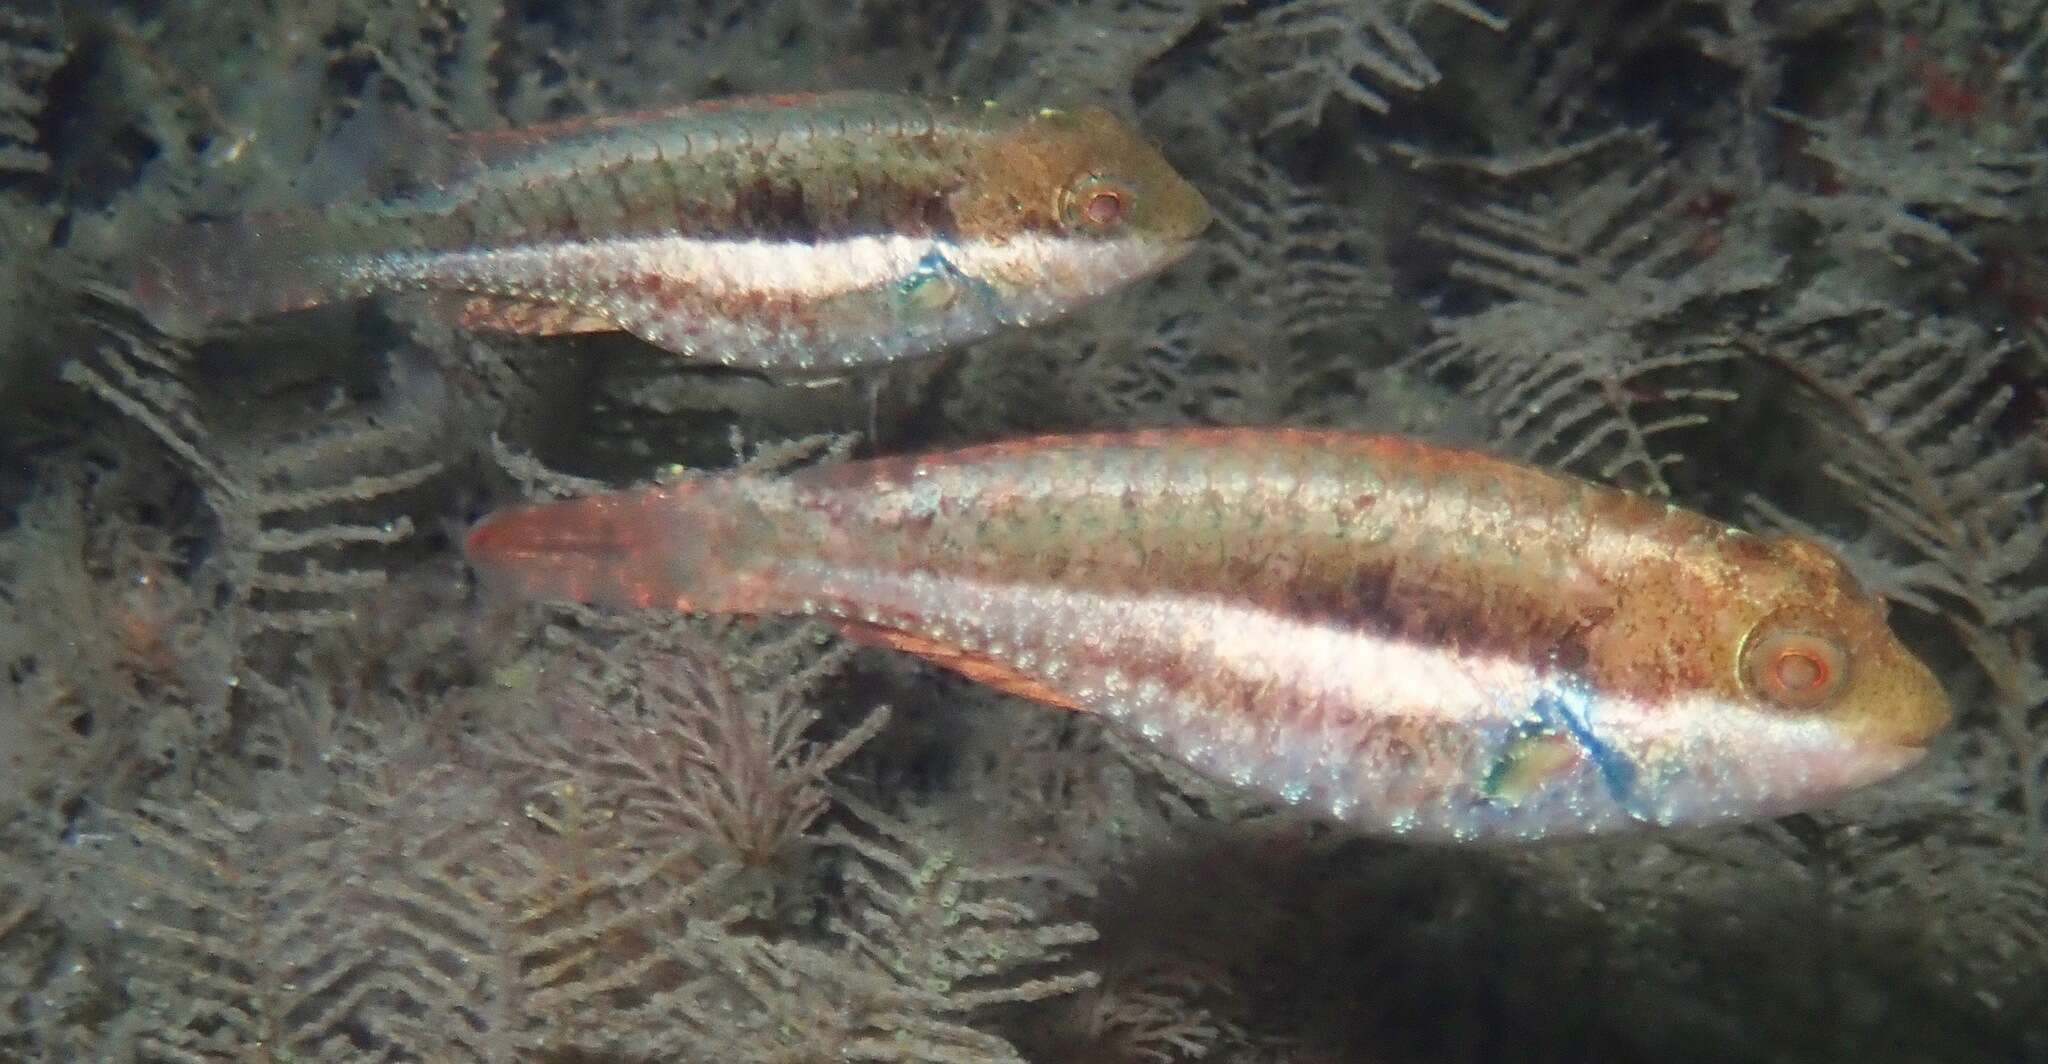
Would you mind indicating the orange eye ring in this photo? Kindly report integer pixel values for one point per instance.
(1097, 202)
(1796, 669)
(1103, 209)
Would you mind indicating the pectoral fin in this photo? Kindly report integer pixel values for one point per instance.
(977, 667)
(1531, 757)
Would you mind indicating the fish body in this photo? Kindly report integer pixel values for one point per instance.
(1412, 640)
(801, 234)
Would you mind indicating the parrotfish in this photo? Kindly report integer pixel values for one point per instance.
(794, 234)
(1411, 640)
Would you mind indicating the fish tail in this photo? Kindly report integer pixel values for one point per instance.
(204, 273)
(675, 547)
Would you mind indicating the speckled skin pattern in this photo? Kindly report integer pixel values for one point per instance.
(797, 234)
(1412, 640)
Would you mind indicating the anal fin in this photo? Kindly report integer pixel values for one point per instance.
(977, 667)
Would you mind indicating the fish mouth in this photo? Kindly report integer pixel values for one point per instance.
(1192, 216)
(1874, 763)
(1797, 783)
(1779, 767)
(1165, 250)
(1906, 755)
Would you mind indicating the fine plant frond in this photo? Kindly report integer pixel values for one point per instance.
(1557, 61)
(1573, 361)
(1309, 53)
(1149, 1011)
(655, 731)
(408, 915)
(535, 478)
(144, 381)
(1320, 267)
(145, 698)
(1312, 308)
(38, 992)
(766, 1001)
(1909, 189)
(28, 55)
(1915, 422)
(1914, 414)
(1279, 325)
(206, 961)
(1969, 877)
(1070, 56)
(562, 912)
(300, 506)
(965, 934)
(1175, 373)
(925, 943)
(289, 509)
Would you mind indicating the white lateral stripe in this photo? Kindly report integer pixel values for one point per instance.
(785, 267)
(790, 268)
(1304, 661)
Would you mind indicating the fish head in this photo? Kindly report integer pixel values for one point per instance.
(1065, 206)
(1778, 687)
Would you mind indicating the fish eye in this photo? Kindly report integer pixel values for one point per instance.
(1795, 668)
(1097, 202)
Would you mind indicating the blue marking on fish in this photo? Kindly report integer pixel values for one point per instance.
(1570, 707)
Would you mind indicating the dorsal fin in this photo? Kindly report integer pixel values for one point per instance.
(977, 667)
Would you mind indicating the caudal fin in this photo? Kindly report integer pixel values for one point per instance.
(636, 549)
(205, 273)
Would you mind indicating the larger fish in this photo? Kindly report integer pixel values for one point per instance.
(795, 234)
(1413, 640)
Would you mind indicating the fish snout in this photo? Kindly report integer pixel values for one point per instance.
(1187, 213)
(1907, 708)
(1890, 727)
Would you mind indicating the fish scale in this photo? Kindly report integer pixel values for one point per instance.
(1413, 640)
(706, 167)
(787, 234)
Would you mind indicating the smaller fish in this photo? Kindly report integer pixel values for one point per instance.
(791, 234)
(1412, 640)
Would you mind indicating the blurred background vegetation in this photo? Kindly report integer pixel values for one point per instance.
(275, 784)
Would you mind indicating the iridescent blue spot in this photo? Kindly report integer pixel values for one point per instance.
(1533, 752)
(928, 280)
(935, 286)
(1567, 706)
